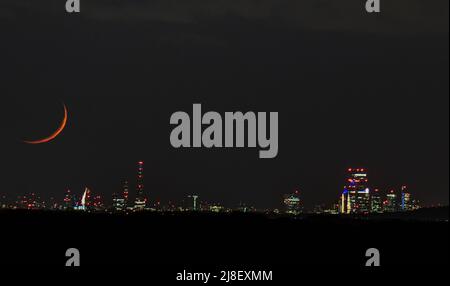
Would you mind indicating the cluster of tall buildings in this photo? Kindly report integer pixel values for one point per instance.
(358, 198)
(124, 200)
(121, 201)
(85, 200)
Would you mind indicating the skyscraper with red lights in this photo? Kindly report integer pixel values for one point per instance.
(356, 195)
(140, 201)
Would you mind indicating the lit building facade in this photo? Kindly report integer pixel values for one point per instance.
(292, 203)
(120, 201)
(390, 204)
(376, 202)
(363, 201)
(406, 200)
(356, 195)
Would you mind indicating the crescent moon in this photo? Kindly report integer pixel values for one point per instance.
(56, 133)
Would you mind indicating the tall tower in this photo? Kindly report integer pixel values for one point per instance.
(120, 201)
(292, 203)
(356, 195)
(406, 203)
(390, 204)
(140, 201)
(376, 203)
(125, 194)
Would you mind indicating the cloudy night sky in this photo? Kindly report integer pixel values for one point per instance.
(351, 89)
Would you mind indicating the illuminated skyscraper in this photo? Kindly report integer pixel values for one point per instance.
(407, 202)
(292, 203)
(390, 204)
(141, 201)
(347, 201)
(376, 203)
(363, 201)
(120, 201)
(356, 195)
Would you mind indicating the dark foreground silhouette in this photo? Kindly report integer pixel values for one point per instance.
(30, 237)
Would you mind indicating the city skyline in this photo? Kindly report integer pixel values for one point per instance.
(221, 137)
(379, 102)
(373, 199)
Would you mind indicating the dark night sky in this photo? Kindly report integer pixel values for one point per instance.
(351, 89)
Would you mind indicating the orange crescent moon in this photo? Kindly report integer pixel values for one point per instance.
(56, 133)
